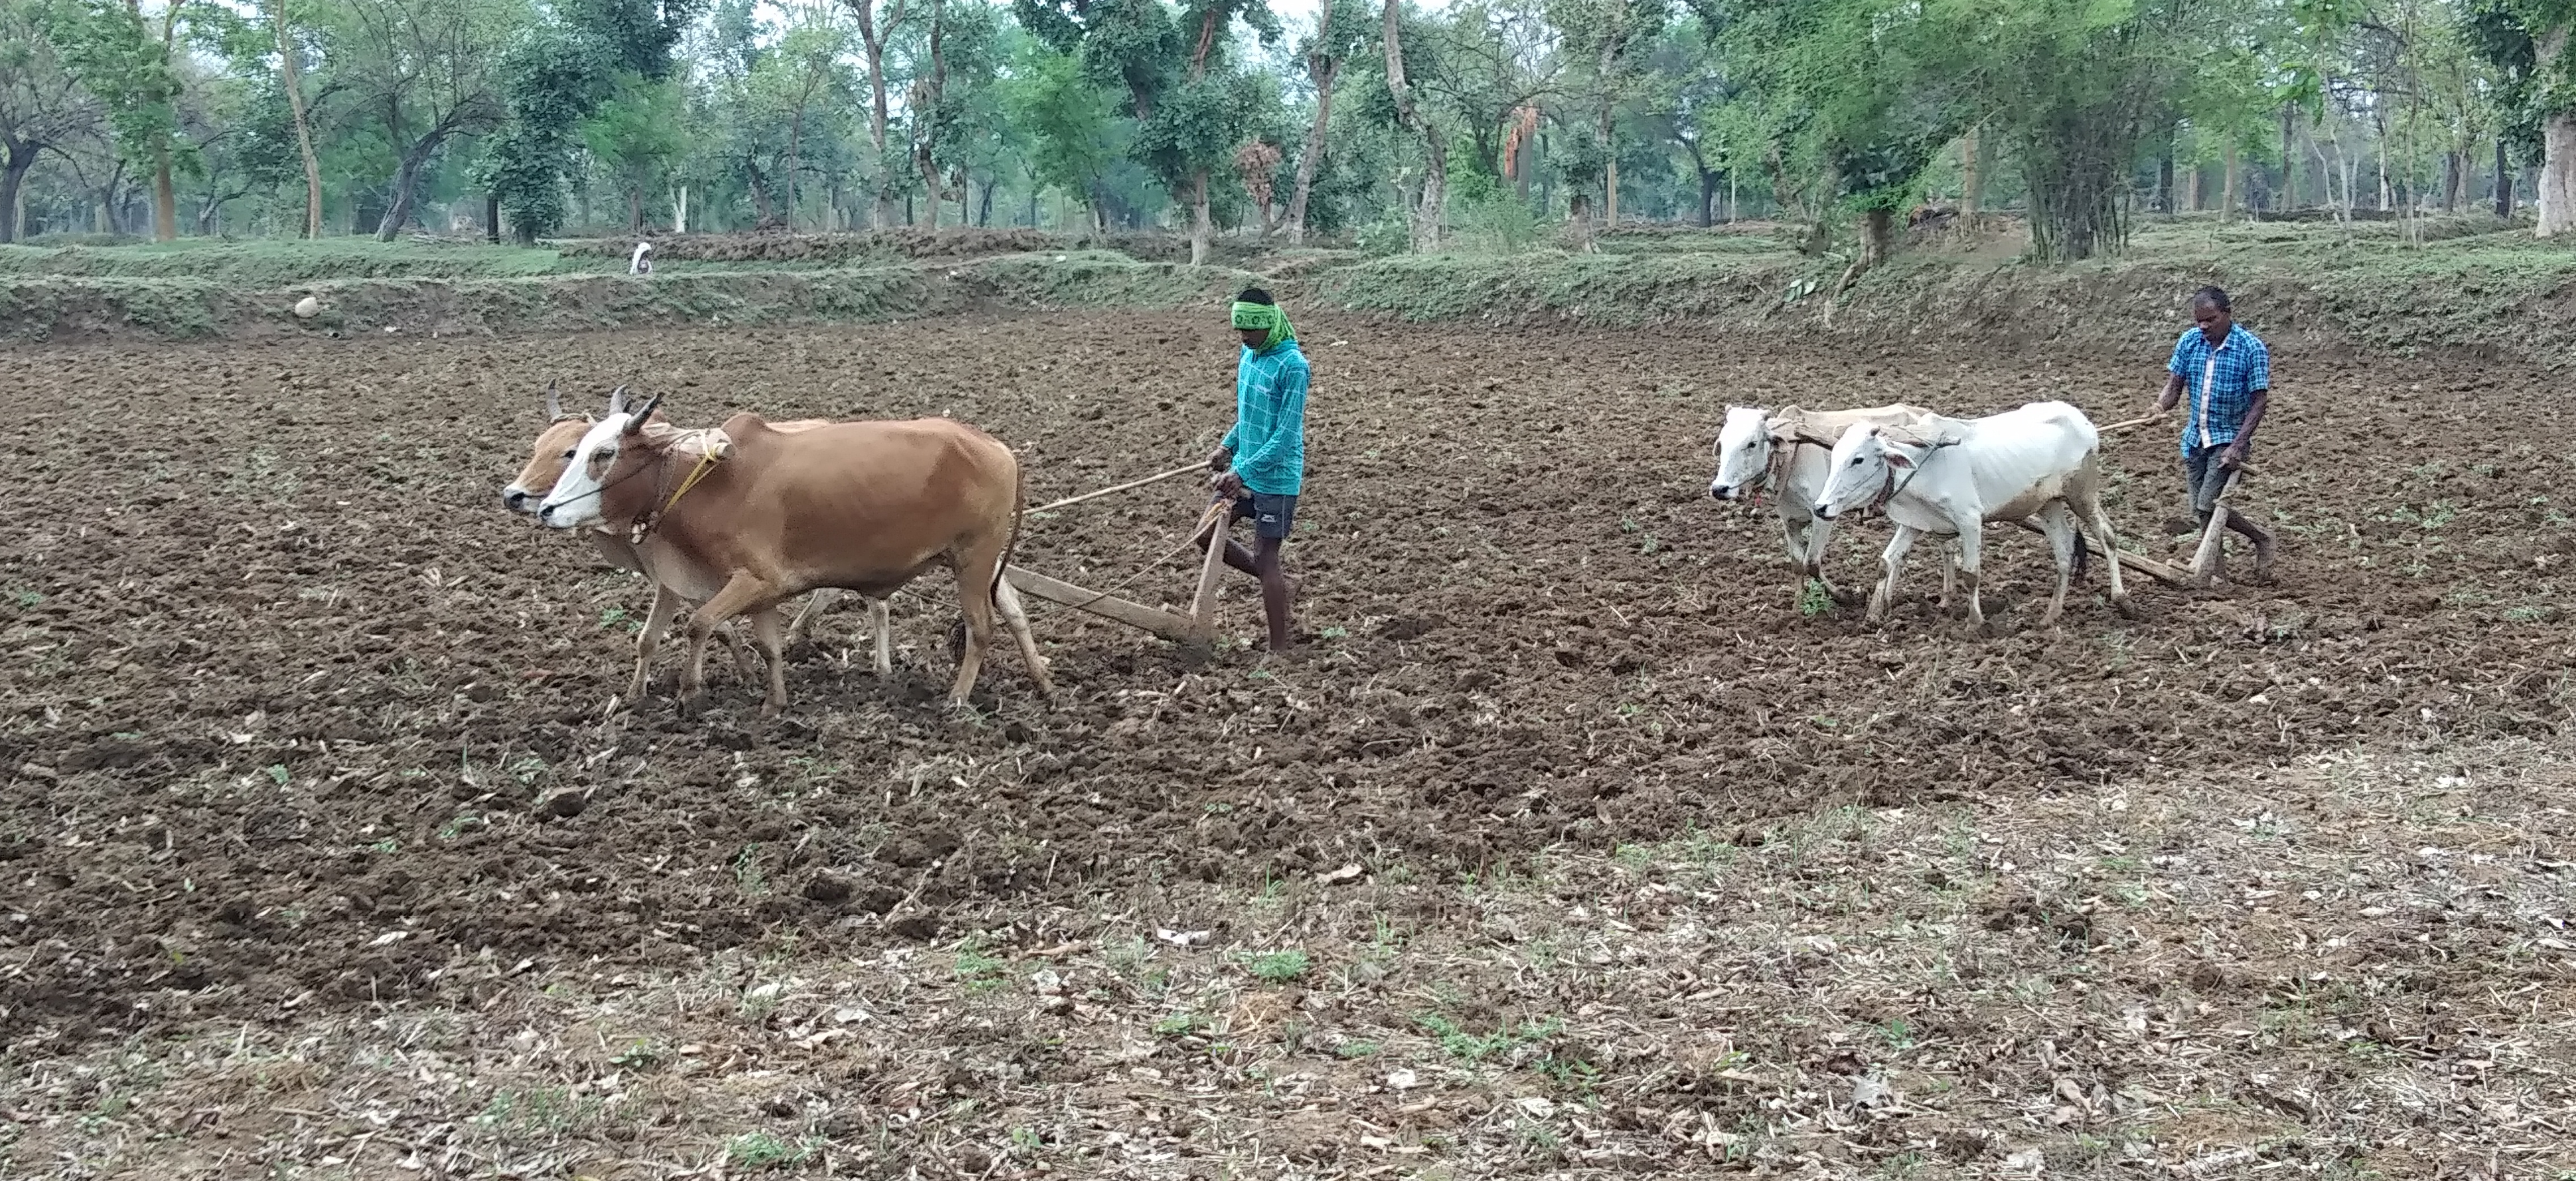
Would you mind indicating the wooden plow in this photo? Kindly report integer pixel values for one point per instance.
(1196, 627)
(2204, 561)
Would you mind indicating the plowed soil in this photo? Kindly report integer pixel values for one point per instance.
(284, 685)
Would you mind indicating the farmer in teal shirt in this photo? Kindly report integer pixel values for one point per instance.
(1261, 465)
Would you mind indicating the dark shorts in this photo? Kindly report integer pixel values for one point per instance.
(1271, 516)
(2205, 478)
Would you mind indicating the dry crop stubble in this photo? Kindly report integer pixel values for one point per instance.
(275, 760)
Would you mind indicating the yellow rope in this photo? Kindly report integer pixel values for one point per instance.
(706, 463)
(644, 528)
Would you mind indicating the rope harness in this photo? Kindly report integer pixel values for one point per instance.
(1775, 470)
(645, 524)
(1893, 487)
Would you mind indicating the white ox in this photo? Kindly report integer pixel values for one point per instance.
(1949, 476)
(1783, 454)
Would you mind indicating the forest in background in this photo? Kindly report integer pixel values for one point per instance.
(1386, 126)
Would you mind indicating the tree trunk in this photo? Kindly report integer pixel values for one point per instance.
(1971, 174)
(2558, 173)
(984, 210)
(1877, 237)
(1610, 193)
(2386, 195)
(881, 211)
(925, 102)
(1202, 230)
(21, 156)
(787, 175)
(680, 210)
(763, 214)
(1435, 194)
(165, 196)
(2191, 190)
(2165, 182)
(1707, 197)
(2557, 150)
(288, 71)
(2289, 158)
(492, 219)
(873, 40)
(1877, 242)
(1323, 69)
(2504, 183)
(2227, 194)
(406, 177)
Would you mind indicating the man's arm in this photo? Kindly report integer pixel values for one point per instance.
(1288, 423)
(2234, 455)
(2173, 379)
(2258, 376)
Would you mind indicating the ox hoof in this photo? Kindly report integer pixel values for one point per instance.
(2126, 608)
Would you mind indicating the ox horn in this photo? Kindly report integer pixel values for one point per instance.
(617, 400)
(635, 422)
(554, 403)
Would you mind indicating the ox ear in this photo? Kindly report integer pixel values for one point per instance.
(554, 404)
(635, 421)
(1897, 459)
(617, 400)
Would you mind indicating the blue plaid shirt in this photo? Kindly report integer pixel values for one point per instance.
(1269, 436)
(2219, 383)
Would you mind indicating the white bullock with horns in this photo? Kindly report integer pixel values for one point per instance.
(1783, 454)
(1949, 476)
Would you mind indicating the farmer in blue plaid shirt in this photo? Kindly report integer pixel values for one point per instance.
(2228, 374)
(1261, 465)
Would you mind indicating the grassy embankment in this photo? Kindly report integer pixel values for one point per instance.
(2469, 284)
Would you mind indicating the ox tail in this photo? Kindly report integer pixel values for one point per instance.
(1019, 518)
(2082, 551)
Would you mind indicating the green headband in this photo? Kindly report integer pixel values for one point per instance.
(1263, 317)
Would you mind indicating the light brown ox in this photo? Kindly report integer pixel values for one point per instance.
(546, 464)
(862, 506)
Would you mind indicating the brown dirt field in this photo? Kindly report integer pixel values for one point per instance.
(284, 686)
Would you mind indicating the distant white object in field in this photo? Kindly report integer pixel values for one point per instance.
(307, 308)
(642, 263)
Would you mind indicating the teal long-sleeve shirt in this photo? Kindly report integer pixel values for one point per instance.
(1268, 441)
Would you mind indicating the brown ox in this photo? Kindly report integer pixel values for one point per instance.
(546, 464)
(862, 506)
